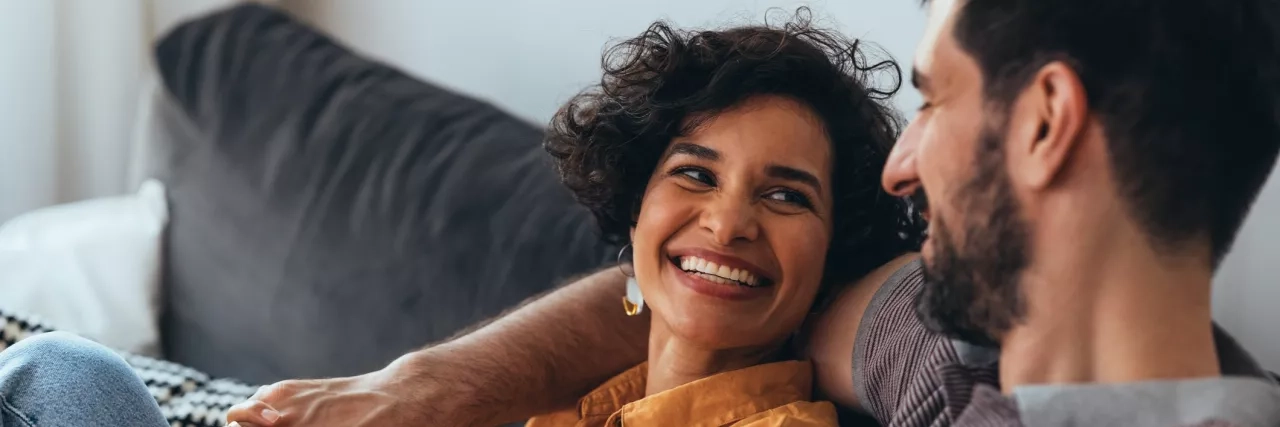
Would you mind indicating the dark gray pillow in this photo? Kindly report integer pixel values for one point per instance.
(330, 213)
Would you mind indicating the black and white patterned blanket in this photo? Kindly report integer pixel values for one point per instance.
(187, 397)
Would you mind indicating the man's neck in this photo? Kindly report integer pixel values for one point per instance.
(674, 361)
(1107, 309)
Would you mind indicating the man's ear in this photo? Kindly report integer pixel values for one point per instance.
(1051, 116)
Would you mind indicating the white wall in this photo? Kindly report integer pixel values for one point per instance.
(529, 56)
(1247, 292)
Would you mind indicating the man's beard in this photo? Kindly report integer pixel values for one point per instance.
(972, 289)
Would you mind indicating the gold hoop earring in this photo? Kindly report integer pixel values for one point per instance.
(633, 300)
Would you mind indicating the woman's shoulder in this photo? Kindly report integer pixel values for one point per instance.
(795, 414)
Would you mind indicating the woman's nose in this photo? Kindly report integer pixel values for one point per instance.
(729, 219)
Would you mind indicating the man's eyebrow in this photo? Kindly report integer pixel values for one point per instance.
(919, 80)
(694, 150)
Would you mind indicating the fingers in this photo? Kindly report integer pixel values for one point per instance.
(253, 412)
(261, 392)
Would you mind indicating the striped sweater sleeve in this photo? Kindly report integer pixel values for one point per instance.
(903, 373)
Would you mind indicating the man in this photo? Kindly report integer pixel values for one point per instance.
(1089, 163)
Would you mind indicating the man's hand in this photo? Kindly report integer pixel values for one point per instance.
(381, 398)
(336, 402)
(538, 359)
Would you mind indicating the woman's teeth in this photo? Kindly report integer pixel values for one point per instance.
(718, 273)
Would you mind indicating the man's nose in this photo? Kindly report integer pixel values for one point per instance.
(900, 177)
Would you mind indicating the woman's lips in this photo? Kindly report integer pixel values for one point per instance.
(719, 273)
(721, 265)
(718, 288)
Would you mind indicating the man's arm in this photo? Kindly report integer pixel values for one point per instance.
(874, 354)
(832, 339)
(546, 354)
(538, 358)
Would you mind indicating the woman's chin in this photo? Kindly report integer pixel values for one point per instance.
(716, 327)
(711, 337)
(715, 315)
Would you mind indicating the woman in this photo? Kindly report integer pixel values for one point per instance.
(740, 171)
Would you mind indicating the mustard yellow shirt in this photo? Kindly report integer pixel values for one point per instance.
(769, 395)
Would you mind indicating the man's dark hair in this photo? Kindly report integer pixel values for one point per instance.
(1186, 91)
(607, 140)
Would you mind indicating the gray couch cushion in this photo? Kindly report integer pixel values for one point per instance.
(330, 213)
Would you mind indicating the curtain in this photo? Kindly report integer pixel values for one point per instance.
(70, 78)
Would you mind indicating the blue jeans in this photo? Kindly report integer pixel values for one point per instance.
(59, 379)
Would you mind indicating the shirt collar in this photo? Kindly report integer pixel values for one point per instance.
(713, 401)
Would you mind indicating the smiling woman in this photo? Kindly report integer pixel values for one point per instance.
(733, 213)
(743, 168)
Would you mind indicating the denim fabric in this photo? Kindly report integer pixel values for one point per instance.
(58, 379)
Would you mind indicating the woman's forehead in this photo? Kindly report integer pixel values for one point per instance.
(767, 128)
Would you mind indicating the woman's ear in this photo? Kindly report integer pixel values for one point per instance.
(632, 236)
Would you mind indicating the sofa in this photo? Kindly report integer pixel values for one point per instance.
(328, 213)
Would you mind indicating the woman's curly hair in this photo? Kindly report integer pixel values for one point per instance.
(607, 140)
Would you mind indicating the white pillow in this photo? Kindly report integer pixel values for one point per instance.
(90, 267)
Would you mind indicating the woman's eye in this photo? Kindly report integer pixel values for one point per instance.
(791, 197)
(698, 175)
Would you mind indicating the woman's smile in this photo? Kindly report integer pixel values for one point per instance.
(720, 275)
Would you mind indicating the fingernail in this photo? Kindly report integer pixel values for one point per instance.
(270, 414)
(233, 424)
